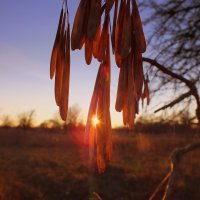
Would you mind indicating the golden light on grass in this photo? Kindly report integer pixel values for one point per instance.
(95, 121)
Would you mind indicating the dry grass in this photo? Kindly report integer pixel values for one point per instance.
(52, 165)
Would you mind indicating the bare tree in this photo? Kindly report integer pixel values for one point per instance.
(73, 119)
(175, 43)
(26, 119)
(73, 116)
(175, 64)
(6, 121)
(56, 122)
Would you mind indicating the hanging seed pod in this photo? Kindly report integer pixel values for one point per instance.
(88, 51)
(118, 34)
(128, 43)
(126, 32)
(95, 109)
(114, 26)
(100, 133)
(139, 75)
(90, 130)
(63, 56)
(66, 77)
(120, 91)
(125, 107)
(119, 27)
(100, 105)
(118, 59)
(62, 32)
(107, 104)
(78, 26)
(94, 19)
(58, 78)
(131, 92)
(96, 42)
(104, 138)
(60, 64)
(137, 24)
(55, 47)
(122, 86)
(102, 42)
(93, 102)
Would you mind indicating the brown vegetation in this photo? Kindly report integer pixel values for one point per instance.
(47, 164)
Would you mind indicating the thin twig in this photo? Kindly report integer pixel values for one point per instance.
(175, 161)
(158, 188)
(96, 196)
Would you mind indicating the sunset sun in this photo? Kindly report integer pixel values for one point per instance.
(95, 121)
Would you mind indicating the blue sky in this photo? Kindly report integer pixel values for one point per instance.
(27, 32)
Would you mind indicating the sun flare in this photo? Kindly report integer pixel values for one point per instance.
(95, 121)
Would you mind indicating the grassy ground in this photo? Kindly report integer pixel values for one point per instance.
(52, 165)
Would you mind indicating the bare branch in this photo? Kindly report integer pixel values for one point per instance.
(167, 71)
(177, 100)
(172, 175)
(175, 161)
(96, 196)
(190, 84)
(160, 186)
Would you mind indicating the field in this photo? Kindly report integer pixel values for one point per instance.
(53, 165)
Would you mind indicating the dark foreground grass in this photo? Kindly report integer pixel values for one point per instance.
(53, 165)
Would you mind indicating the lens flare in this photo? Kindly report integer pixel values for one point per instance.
(95, 121)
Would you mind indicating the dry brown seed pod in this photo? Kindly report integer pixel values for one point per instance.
(118, 38)
(66, 78)
(62, 31)
(122, 86)
(100, 159)
(102, 42)
(138, 75)
(118, 33)
(96, 42)
(100, 138)
(94, 19)
(102, 105)
(106, 104)
(114, 26)
(139, 33)
(96, 107)
(82, 42)
(94, 101)
(118, 59)
(60, 63)
(131, 92)
(55, 47)
(126, 32)
(78, 26)
(108, 119)
(63, 56)
(88, 51)
(58, 77)
(125, 109)
(120, 91)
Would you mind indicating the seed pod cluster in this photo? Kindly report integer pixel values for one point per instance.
(100, 136)
(60, 63)
(128, 44)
